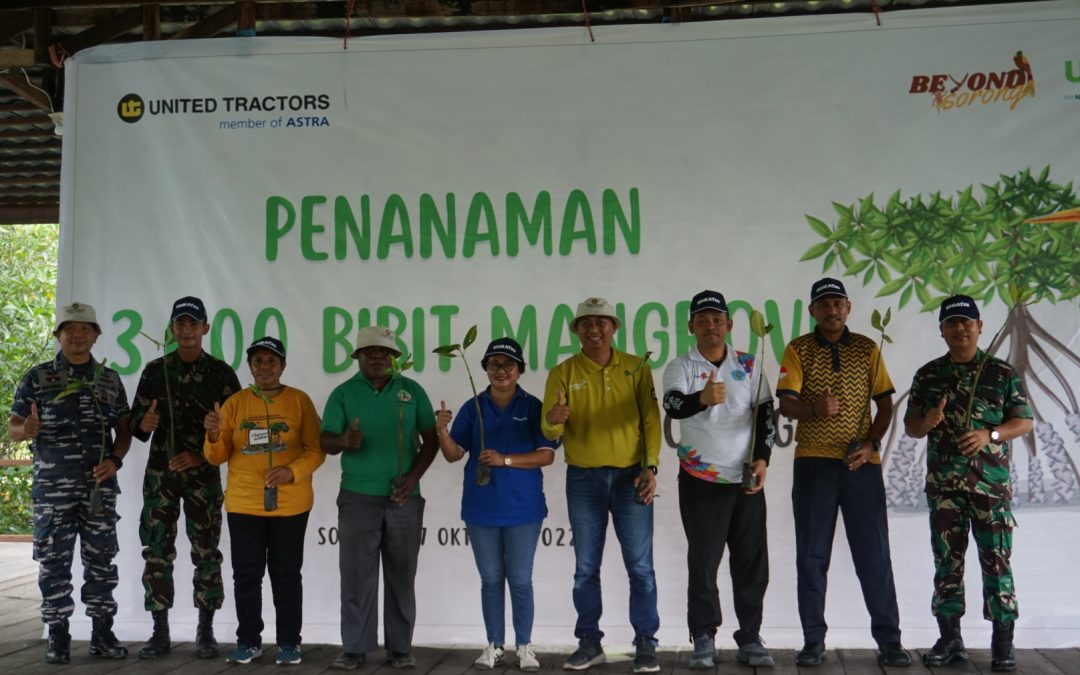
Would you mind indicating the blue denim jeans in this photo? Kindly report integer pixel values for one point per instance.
(592, 494)
(504, 556)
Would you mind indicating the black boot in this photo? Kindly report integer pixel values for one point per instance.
(206, 647)
(950, 646)
(103, 643)
(158, 644)
(58, 648)
(1002, 656)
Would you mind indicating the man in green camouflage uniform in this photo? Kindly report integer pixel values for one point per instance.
(174, 394)
(75, 413)
(967, 477)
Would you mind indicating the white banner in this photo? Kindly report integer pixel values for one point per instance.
(434, 182)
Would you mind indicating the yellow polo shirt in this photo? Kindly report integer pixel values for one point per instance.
(611, 408)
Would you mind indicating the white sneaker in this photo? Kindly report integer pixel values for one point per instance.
(489, 658)
(527, 659)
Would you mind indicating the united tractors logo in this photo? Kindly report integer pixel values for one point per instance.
(131, 108)
(985, 88)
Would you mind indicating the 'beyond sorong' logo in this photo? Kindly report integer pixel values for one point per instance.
(982, 87)
(130, 108)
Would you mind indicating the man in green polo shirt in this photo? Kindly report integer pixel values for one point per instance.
(371, 421)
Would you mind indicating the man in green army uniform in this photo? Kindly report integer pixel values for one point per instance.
(174, 394)
(967, 477)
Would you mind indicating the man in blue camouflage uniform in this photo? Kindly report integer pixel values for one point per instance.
(173, 414)
(967, 477)
(76, 413)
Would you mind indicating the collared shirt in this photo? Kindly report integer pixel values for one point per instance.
(999, 397)
(75, 428)
(612, 408)
(853, 370)
(716, 441)
(515, 496)
(390, 420)
(194, 388)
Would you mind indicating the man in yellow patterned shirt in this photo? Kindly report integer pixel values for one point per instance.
(828, 379)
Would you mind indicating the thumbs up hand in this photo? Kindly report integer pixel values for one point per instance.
(32, 424)
(353, 437)
(560, 412)
(826, 405)
(212, 423)
(714, 392)
(936, 415)
(442, 419)
(151, 419)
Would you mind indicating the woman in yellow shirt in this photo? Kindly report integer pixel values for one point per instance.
(269, 435)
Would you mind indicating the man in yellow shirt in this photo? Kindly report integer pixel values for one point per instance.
(602, 403)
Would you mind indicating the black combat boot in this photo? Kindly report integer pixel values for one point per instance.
(103, 643)
(206, 647)
(1002, 656)
(950, 646)
(58, 649)
(158, 644)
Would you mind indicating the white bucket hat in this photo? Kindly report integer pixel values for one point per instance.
(375, 336)
(595, 307)
(76, 311)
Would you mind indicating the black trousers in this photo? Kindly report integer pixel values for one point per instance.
(715, 516)
(822, 487)
(259, 543)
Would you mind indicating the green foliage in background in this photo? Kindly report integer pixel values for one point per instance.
(15, 510)
(27, 310)
(975, 242)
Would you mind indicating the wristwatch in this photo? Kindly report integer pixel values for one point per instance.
(875, 444)
(507, 461)
(652, 467)
(116, 460)
(995, 436)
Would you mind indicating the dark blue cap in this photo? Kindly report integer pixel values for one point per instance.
(507, 347)
(270, 344)
(708, 300)
(958, 306)
(189, 306)
(827, 286)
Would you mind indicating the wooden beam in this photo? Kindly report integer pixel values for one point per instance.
(49, 180)
(104, 31)
(211, 25)
(43, 29)
(29, 214)
(21, 87)
(16, 58)
(151, 23)
(20, 121)
(247, 18)
(32, 133)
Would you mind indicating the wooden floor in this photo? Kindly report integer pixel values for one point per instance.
(22, 650)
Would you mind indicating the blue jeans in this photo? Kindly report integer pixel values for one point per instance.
(591, 494)
(504, 555)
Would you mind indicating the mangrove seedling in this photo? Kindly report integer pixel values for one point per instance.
(642, 486)
(265, 440)
(72, 387)
(879, 322)
(483, 473)
(760, 328)
(167, 342)
(399, 365)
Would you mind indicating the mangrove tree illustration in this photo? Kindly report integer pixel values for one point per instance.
(1015, 241)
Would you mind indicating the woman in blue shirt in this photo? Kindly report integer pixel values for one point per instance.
(502, 517)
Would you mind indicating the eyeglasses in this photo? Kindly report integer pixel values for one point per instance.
(508, 367)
